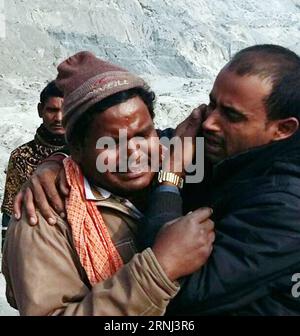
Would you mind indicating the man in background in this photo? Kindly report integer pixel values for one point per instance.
(23, 160)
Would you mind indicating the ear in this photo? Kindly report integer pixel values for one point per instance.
(286, 128)
(40, 109)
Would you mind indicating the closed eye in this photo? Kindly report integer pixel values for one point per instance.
(233, 115)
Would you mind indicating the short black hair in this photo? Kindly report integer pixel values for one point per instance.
(274, 62)
(284, 101)
(50, 90)
(82, 125)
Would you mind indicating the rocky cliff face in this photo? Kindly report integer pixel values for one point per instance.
(179, 46)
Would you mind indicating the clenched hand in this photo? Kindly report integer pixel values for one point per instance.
(184, 245)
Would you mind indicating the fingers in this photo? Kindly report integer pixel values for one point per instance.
(42, 202)
(201, 214)
(188, 127)
(18, 204)
(197, 113)
(202, 108)
(30, 208)
(41, 191)
(55, 199)
(193, 124)
(206, 251)
(211, 237)
(208, 225)
(206, 247)
(63, 184)
(47, 193)
(206, 233)
(204, 111)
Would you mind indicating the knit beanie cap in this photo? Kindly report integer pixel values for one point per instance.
(85, 80)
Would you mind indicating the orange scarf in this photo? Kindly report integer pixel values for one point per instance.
(96, 251)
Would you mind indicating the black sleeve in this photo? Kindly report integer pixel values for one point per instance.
(162, 208)
(255, 245)
(165, 206)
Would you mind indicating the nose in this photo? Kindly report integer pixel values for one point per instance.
(212, 122)
(58, 116)
(137, 151)
(133, 148)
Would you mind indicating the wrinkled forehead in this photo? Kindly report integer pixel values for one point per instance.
(243, 93)
(231, 79)
(132, 115)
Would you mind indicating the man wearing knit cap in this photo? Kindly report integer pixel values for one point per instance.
(87, 264)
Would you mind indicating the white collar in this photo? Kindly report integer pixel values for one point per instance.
(89, 194)
(105, 194)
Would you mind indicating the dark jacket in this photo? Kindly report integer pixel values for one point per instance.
(256, 202)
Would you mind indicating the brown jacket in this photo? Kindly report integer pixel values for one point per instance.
(44, 275)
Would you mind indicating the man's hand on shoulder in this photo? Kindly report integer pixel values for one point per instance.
(45, 190)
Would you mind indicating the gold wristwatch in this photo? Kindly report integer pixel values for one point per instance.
(164, 176)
